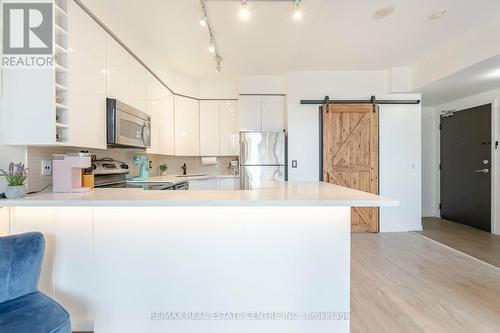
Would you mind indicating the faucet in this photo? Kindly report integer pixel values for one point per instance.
(184, 168)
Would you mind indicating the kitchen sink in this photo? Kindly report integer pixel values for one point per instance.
(199, 175)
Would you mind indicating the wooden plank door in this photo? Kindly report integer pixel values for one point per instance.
(350, 155)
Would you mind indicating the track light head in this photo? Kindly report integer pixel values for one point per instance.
(297, 13)
(244, 12)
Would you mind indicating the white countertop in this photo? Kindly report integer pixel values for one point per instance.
(280, 194)
(177, 179)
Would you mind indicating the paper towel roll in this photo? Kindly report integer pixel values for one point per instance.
(209, 161)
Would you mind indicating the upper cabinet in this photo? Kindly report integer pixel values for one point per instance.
(250, 113)
(219, 131)
(262, 113)
(187, 126)
(229, 129)
(159, 105)
(209, 128)
(126, 76)
(35, 100)
(87, 65)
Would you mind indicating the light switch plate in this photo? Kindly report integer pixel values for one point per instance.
(294, 164)
(46, 168)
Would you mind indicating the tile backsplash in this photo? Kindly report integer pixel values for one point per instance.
(194, 166)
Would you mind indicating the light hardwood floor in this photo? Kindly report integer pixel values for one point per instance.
(480, 244)
(403, 282)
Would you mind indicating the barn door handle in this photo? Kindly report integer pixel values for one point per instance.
(483, 170)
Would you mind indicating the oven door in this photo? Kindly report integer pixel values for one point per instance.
(132, 131)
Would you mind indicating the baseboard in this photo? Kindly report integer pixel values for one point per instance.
(402, 228)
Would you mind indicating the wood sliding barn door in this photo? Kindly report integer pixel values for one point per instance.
(350, 155)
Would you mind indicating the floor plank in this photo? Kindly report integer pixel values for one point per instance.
(474, 242)
(402, 282)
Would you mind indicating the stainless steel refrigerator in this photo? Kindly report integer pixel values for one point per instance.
(262, 159)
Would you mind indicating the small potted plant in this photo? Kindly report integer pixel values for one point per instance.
(16, 176)
(163, 169)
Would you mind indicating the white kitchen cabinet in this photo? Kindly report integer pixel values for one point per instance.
(273, 113)
(126, 76)
(117, 70)
(87, 119)
(228, 183)
(136, 84)
(168, 125)
(187, 126)
(68, 243)
(209, 128)
(262, 113)
(74, 288)
(250, 113)
(155, 104)
(229, 129)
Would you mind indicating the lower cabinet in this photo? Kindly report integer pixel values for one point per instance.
(222, 183)
(68, 244)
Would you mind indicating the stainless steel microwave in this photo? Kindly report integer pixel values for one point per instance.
(126, 126)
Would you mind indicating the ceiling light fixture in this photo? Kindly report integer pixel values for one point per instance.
(383, 12)
(437, 15)
(212, 48)
(203, 19)
(297, 13)
(218, 68)
(244, 12)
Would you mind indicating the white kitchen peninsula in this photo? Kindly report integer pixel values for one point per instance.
(127, 260)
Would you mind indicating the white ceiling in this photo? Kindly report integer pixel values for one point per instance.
(334, 34)
(473, 80)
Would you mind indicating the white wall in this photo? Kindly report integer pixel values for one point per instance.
(400, 144)
(400, 164)
(219, 89)
(492, 97)
(430, 162)
(262, 85)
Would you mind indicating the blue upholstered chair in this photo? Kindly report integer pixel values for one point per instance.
(23, 309)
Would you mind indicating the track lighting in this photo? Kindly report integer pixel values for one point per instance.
(218, 60)
(211, 47)
(297, 13)
(203, 19)
(244, 12)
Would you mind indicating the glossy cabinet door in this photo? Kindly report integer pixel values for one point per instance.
(126, 76)
(209, 128)
(229, 129)
(168, 125)
(137, 84)
(187, 126)
(273, 113)
(155, 103)
(117, 70)
(250, 113)
(87, 118)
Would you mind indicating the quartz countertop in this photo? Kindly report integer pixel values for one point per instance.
(275, 194)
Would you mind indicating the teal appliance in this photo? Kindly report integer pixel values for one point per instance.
(142, 161)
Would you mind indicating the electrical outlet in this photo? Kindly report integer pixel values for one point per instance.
(46, 168)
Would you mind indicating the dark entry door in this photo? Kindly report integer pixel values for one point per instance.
(466, 167)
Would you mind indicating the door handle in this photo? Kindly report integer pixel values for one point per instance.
(483, 170)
